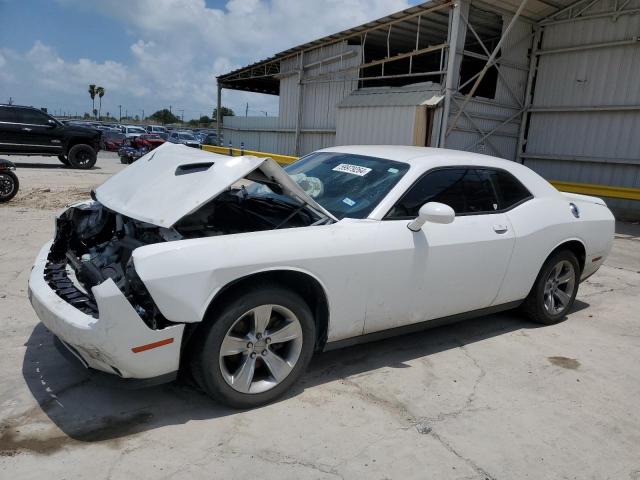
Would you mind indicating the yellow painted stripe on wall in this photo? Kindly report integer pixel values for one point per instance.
(624, 193)
(281, 159)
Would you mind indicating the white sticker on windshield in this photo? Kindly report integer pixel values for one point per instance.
(353, 169)
(348, 201)
(393, 170)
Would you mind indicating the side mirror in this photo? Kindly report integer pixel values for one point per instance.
(52, 123)
(432, 212)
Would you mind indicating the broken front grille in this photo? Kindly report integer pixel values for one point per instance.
(55, 274)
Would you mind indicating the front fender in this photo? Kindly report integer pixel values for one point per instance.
(184, 276)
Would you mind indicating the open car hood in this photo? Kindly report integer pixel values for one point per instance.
(174, 180)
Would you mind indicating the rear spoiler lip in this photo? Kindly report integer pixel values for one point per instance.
(584, 198)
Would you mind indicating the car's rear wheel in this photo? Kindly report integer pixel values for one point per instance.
(9, 185)
(64, 160)
(82, 156)
(255, 348)
(555, 290)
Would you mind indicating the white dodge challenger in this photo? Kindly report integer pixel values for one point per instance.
(240, 270)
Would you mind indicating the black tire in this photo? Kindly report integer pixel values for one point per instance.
(82, 156)
(205, 355)
(64, 160)
(9, 185)
(124, 160)
(536, 305)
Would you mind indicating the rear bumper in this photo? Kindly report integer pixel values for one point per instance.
(105, 343)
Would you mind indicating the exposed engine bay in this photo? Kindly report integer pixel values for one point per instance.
(93, 244)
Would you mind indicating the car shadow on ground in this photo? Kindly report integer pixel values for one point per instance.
(88, 412)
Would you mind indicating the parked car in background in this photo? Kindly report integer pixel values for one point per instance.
(184, 138)
(9, 183)
(155, 129)
(148, 141)
(210, 139)
(30, 131)
(135, 147)
(132, 131)
(174, 265)
(112, 140)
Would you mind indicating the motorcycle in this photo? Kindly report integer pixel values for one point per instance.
(9, 183)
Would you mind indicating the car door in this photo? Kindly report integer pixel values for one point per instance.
(441, 270)
(8, 130)
(38, 132)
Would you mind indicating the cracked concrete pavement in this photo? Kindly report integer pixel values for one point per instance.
(491, 398)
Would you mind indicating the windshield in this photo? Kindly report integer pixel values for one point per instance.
(136, 130)
(187, 136)
(347, 185)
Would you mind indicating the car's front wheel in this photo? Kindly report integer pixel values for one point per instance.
(64, 160)
(255, 348)
(82, 156)
(555, 290)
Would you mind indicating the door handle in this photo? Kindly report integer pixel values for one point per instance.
(26, 129)
(500, 228)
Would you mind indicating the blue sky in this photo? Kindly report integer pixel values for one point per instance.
(150, 54)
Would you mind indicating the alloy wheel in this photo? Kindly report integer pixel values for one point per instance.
(261, 349)
(559, 288)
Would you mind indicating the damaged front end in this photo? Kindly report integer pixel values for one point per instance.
(84, 285)
(93, 244)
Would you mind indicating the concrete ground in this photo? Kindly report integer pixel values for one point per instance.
(492, 398)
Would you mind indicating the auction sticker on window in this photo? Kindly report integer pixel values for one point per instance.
(353, 169)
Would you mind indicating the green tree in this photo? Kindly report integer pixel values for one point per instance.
(204, 119)
(92, 94)
(100, 91)
(164, 116)
(226, 112)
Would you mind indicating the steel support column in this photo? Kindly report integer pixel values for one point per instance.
(219, 114)
(454, 26)
(300, 100)
(528, 94)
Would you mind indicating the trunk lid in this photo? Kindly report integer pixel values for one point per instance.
(174, 180)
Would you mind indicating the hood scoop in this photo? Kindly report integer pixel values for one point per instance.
(193, 168)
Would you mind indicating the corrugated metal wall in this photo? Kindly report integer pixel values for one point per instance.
(377, 125)
(599, 147)
(329, 77)
(382, 115)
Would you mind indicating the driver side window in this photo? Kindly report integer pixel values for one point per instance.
(32, 117)
(466, 190)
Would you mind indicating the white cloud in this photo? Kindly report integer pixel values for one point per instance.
(180, 46)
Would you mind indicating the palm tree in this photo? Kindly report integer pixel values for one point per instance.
(92, 94)
(100, 91)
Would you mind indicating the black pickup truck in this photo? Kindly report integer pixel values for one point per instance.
(29, 131)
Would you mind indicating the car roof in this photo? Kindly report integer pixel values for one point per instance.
(422, 159)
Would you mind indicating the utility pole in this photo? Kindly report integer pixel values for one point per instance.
(120, 116)
(246, 110)
(170, 109)
(142, 115)
(10, 100)
(182, 115)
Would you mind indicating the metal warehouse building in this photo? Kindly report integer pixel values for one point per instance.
(554, 84)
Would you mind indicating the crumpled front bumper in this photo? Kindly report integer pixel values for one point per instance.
(118, 341)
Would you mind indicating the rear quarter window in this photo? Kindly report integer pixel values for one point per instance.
(510, 190)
